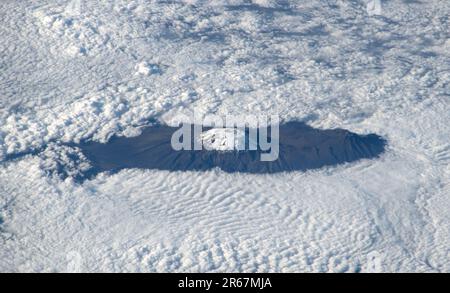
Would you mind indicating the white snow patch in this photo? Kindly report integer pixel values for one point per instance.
(223, 139)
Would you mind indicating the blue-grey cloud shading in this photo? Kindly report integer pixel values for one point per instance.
(301, 148)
